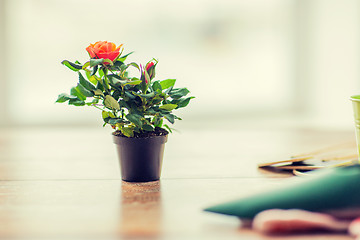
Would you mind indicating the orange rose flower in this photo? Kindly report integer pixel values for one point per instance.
(104, 49)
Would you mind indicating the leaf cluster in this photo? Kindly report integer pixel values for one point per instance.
(128, 104)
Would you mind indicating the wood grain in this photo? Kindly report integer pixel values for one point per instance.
(65, 183)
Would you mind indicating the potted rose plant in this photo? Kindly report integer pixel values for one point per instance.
(134, 106)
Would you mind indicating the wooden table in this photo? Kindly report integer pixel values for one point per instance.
(64, 183)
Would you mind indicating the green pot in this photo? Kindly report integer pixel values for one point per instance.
(356, 108)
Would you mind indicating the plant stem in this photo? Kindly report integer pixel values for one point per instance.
(106, 81)
(94, 105)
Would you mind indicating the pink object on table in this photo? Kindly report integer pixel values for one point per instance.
(277, 221)
(354, 228)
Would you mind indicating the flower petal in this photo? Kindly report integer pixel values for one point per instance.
(104, 49)
(91, 52)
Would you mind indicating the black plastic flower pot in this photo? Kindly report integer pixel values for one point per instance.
(140, 158)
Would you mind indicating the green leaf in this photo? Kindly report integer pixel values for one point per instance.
(93, 79)
(123, 67)
(127, 131)
(76, 92)
(168, 128)
(116, 66)
(86, 65)
(158, 122)
(104, 114)
(94, 62)
(150, 111)
(111, 103)
(93, 72)
(94, 101)
(108, 61)
(76, 102)
(100, 86)
(157, 86)
(84, 91)
(118, 63)
(134, 65)
(113, 121)
(168, 107)
(114, 81)
(118, 81)
(129, 95)
(72, 66)
(168, 90)
(85, 83)
(133, 83)
(148, 127)
(107, 115)
(151, 72)
(143, 86)
(65, 97)
(101, 72)
(178, 93)
(184, 102)
(123, 58)
(148, 95)
(170, 118)
(124, 104)
(112, 76)
(116, 95)
(98, 92)
(167, 83)
(135, 118)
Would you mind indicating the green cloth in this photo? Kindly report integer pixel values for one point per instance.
(323, 191)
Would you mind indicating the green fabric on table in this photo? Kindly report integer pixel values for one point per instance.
(324, 191)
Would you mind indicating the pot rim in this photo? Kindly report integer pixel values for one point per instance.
(121, 139)
(355, 98)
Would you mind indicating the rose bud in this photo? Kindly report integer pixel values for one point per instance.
(150, 68)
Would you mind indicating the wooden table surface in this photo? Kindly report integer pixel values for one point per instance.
(64, 183)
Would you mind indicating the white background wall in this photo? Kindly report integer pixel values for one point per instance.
(332, 61)
(243, 59)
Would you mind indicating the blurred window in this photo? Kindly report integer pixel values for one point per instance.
(235, 56)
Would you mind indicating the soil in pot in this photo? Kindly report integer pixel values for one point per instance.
(157, 132)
